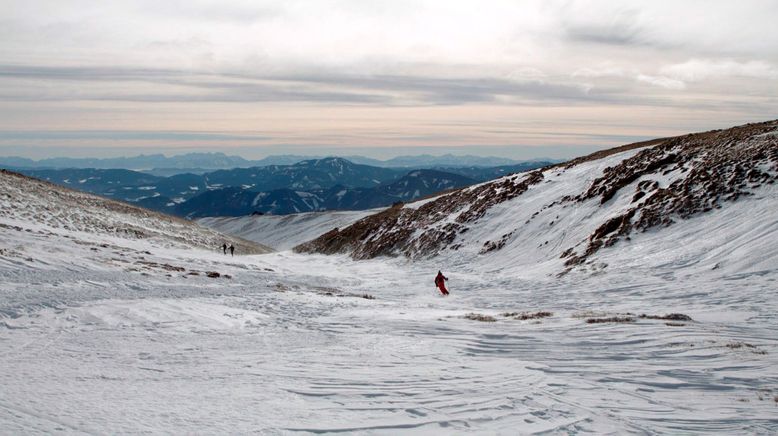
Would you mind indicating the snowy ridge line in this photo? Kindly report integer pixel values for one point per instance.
(33, 205)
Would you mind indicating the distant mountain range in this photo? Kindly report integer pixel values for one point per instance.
(210, 161)
(236, 201)
(200, 163)
(311, 185)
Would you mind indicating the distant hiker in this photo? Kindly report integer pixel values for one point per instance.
(440, 282)
(224, 248)
(232, 250)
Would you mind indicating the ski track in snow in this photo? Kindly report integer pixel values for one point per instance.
(90, 347)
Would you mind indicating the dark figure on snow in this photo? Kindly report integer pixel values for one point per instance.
(224, 248)
(440, 282)
(232, 250)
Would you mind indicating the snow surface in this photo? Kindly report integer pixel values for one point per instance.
(108, 334)
(282, 232)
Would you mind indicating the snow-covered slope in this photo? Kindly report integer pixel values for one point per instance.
(643, 204)
(30, 205)
(283, 232)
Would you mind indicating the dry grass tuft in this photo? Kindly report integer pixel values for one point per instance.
(588, 314)
(523, 316)
(745, 346)
(480, 317)
(670, 317)
(618, 319)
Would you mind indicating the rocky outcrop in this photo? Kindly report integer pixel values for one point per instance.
(708, 168)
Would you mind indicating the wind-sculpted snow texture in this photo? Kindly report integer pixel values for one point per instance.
(573, 210)
(115, 332)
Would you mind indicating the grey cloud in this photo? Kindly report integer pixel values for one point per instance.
(434, 90)
(616, 28)
(24, 135)
(613, 34)
(85, 73)
(204, 87)
(322, 87)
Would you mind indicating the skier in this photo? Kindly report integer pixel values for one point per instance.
(224, 248)
(440, 282)
(232, 250)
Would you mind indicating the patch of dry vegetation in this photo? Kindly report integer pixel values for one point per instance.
(523, 316)
(616, 319)
(745, 346)
(480, 317)
(668, 317)
(588, 314)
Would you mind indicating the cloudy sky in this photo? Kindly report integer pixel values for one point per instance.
(377, 77)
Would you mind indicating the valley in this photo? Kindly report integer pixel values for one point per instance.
(114, 318)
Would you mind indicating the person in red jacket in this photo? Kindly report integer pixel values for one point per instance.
(440, 282)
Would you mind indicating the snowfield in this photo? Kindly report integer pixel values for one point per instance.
(114, 332)
(288, 344)
(283, 232)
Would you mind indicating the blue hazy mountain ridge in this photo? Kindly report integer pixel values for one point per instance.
(120, 184)
(309, 174)
(140, 162)
(319, 184)
(234, 201)
(159, 164)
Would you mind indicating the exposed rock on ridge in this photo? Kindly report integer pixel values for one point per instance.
(710, 168)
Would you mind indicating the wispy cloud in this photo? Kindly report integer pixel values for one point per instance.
(318, 87)
(49, 135)
(661, 81)
(377, 71)
(695, 70)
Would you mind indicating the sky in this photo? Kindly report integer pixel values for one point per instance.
(379, 78)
